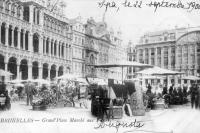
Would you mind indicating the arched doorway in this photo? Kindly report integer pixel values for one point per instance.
(2, 64)
(36, 43)
(53, 72)
(12, 66)
(60, 71)
(35, 70)
(45, 71)
(24, 69)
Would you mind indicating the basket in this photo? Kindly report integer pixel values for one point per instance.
(39, 107)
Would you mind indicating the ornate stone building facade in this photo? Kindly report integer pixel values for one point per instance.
(78, 41)
(35, 41)
(177, 49)
(103, 46)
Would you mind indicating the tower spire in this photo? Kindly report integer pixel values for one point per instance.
(104, 16)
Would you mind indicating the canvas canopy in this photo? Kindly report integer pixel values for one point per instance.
(158, 71)
(68, 76)
(190, 77)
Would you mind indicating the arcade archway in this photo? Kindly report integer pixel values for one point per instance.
(35, 70)
(24, 69)
(12, 66)
(45, 71)
(60, 71)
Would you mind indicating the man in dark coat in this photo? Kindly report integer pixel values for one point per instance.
(194, 95)
(29, 92)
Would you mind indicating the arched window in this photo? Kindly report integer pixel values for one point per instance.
(35, 43)
(38, 17)
(26, 13)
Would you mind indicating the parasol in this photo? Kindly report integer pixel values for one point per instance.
(123, 64)
(158, 71)
(68, 76)
(41, 81)
(190, 77)
(5, 73)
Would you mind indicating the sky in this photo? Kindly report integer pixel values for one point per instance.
(134, 22)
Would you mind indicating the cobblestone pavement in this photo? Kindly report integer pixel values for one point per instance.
(177, 119)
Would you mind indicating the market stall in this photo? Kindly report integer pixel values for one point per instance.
(4, 96)
(159, 100)
(121, 91)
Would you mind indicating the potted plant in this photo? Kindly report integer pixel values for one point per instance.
(42, 101)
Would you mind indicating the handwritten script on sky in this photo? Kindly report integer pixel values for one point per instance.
(156, 4)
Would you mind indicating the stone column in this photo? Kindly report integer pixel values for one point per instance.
(196, 59)
(41, 45)
(35, 15)
(40, 71)
(57, 49)
(67, 53)
(60, 49)
(189, 62)
(49, 47)
(169, 57)
(41, 17)
(12, 41)
(150, 56)
(70, 53)
(155, 56)
(182, 57)
(162, 57)
(54, 50)
(18, 38)
(137, 56)
(18, 71)
(31, 13)
(144, 55)
(6, 66)
(49, 71)
(30, 70)
(6, 36)
(30, 42)
(64, 51)
(56, 71)
(24, 39)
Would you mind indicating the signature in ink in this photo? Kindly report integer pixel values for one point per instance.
(118, 124)
(108, 5)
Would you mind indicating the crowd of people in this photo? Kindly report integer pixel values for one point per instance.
(66, 92)
(174, 95)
